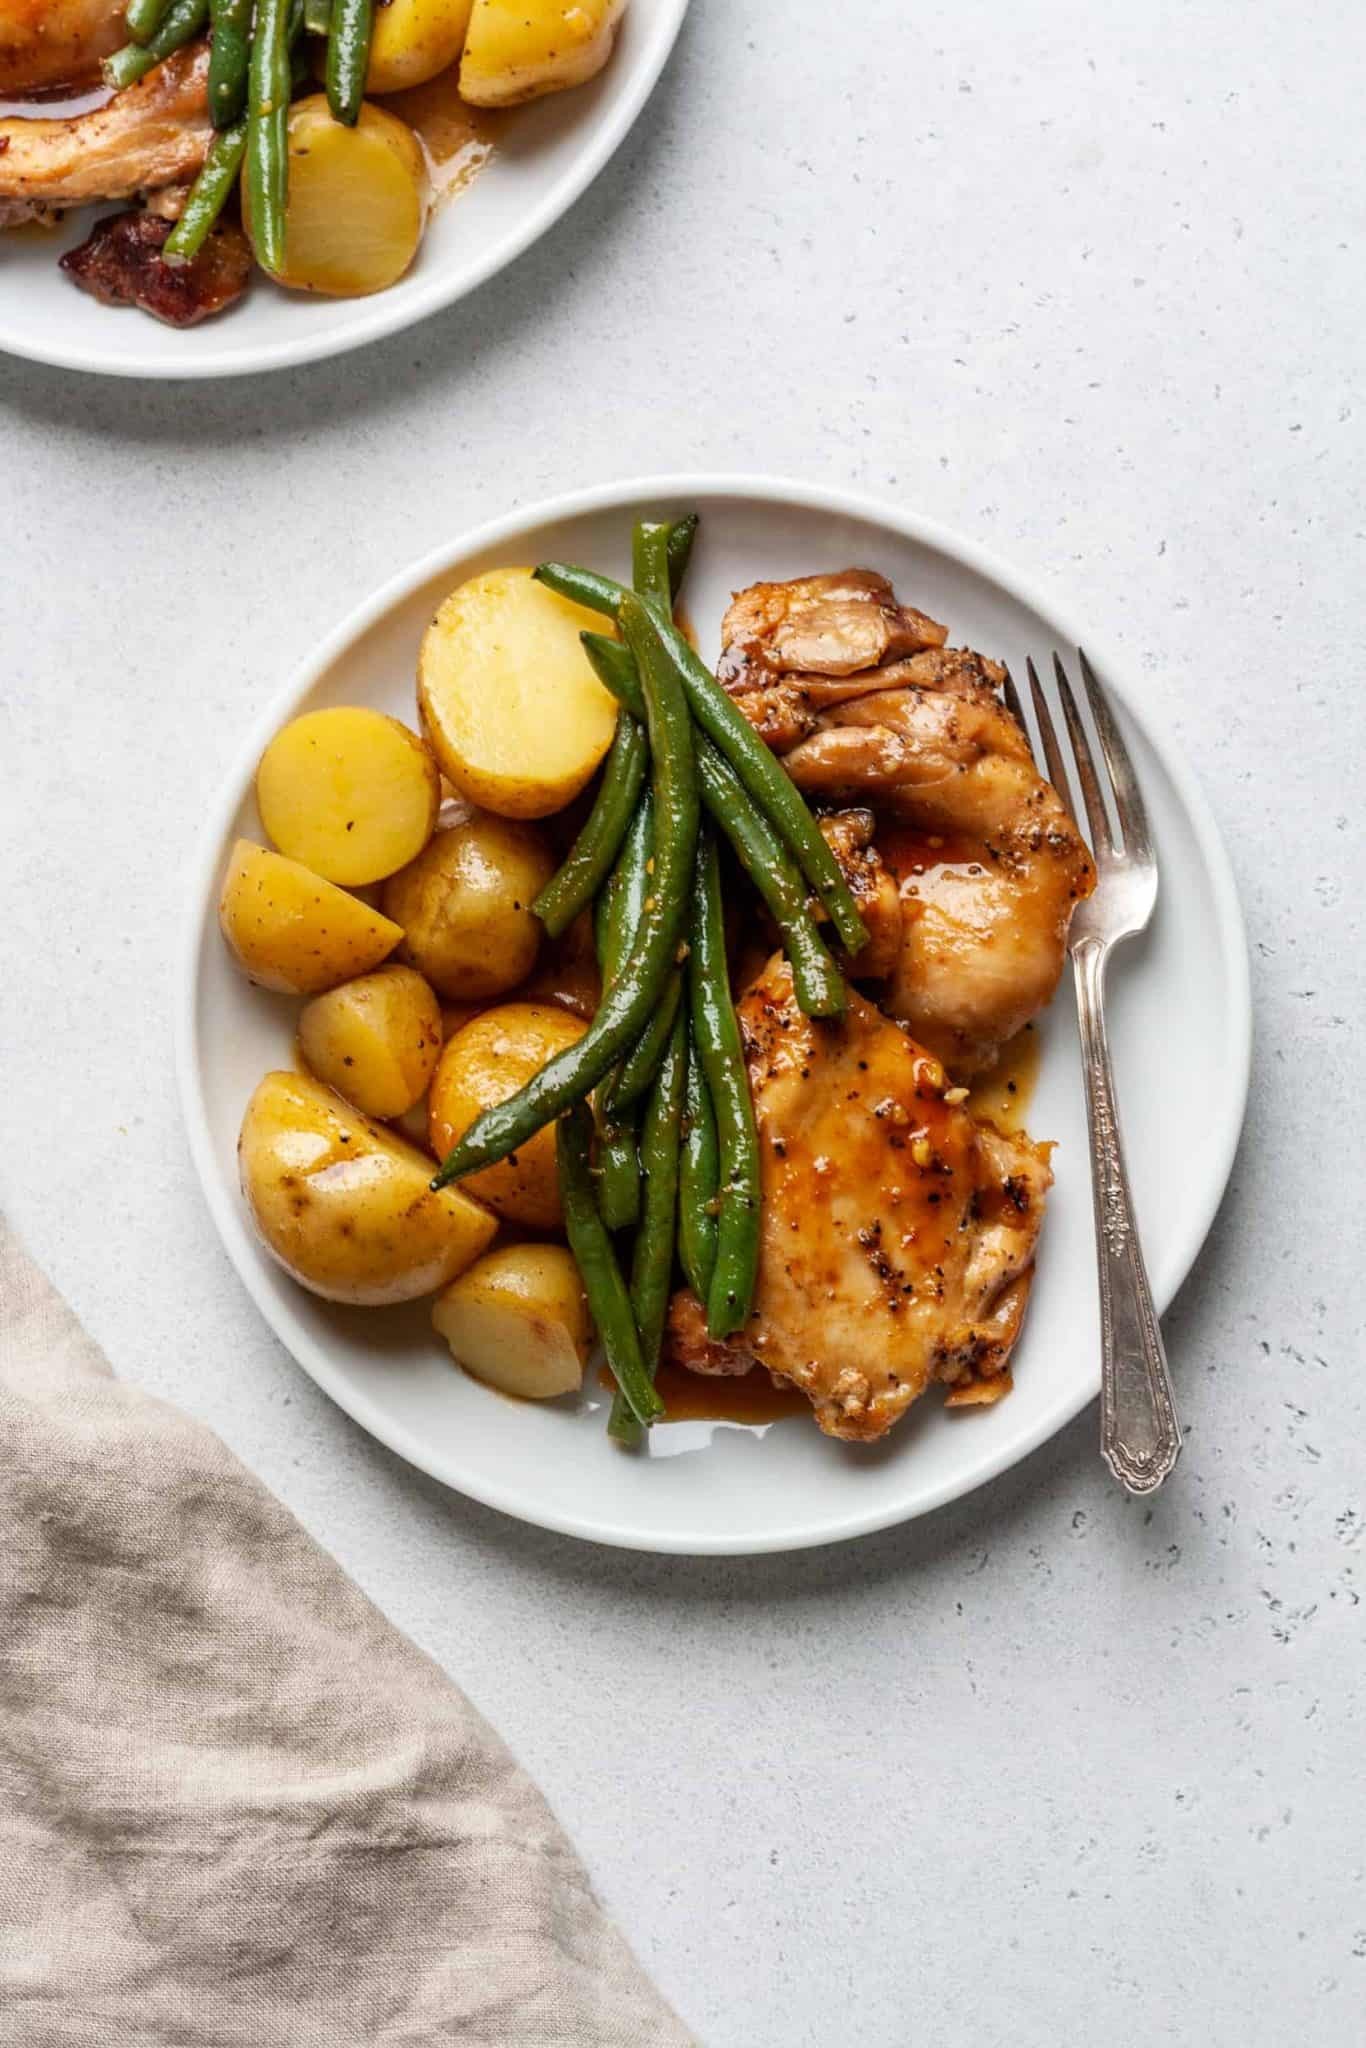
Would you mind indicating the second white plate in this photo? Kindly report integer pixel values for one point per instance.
(1180, 1019)
(547, 154)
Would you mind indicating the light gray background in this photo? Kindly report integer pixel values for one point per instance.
(1087, 283)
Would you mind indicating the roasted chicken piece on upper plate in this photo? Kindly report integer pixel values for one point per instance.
(151, 135)
(897, 1233)
(46, 45)
(867, 706)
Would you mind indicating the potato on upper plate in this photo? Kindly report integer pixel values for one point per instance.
(357, 200)
(517, 49)
(510, 705)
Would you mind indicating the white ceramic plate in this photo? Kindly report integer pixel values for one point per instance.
(545, 157)
(1180, 1024)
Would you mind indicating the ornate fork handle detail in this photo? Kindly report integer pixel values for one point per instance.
(1140, 1439)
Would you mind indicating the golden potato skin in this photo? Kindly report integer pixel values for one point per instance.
(518, 49)
(465, 906)
(376, 1040)
(518, 1320)
(484, 1063)
(345, 1207)
(414, 40)
(348, 791)
(357, 201)
(509, 702)
(291, 930)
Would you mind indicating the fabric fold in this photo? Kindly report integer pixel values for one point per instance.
(236, 1805)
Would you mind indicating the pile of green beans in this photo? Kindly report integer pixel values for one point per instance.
(676, 1158)
(255, 64)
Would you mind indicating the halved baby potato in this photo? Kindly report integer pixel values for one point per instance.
(346, 1207)
(376, 1040)
(518, 1319)
(292, 930)
(357, 200)
(349, 792)
(485, 1063)
(518, 49)
(465, 906)
(512, 710)
(414, 40)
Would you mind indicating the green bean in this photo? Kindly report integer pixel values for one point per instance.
(652, 1258)
(318, 16)
(143, 18)
(182, 22)
(682, 534)
(615, 669)
(348, 57)
(816, 980)
(229, 53)
(268, 88)
(627, 1006)
(619, 1168)
(699, 1173)
(616, 915)
(650, 562)
(757, 767)
(598, 1269)
(718, 1041)
(589, 861)
(769, 783)
(208, 195)
(641, 1063)
(582, 586)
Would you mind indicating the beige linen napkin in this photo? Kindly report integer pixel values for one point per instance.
(237, 1809)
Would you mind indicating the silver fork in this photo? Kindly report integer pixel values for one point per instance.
(1140, 1439)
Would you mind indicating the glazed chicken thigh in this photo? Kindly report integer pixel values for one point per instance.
(989, 862)
(898, 1233)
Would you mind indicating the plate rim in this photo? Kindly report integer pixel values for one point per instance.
(379, 320)
(625, 494)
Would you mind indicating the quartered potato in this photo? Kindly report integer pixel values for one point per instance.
(345, 1206)
(414, 40)
(376, 1040)
(518, 49)
(519, 1320)
(357, 200)
(465, 906)
(293, 931)
(349, 792)
(485, 1063)
(513, 712)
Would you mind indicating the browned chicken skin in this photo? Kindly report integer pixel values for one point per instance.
(897, 1233)
(47, 44)
(989, 862)
(153, 134)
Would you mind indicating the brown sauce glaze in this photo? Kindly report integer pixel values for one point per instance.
(750, 1397)
(1002, 1095)
(457, 139)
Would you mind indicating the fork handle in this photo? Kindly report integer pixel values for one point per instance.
(1140, 1439)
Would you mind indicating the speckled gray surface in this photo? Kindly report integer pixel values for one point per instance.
(1048, 1767)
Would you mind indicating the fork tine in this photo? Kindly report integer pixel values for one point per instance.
(1048, 734)
(1013, 704)
(1133, 818)
(1102, 840)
